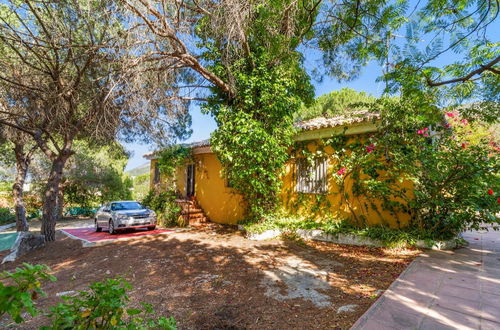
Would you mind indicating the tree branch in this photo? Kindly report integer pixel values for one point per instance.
(481, 69)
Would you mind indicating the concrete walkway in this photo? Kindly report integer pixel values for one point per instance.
(444, 290)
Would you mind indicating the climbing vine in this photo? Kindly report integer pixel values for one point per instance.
(255, 130)
(171, 158)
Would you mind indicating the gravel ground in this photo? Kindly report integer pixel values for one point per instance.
(213, 278)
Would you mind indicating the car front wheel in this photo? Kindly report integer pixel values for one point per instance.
(97, 228)
(111, 228)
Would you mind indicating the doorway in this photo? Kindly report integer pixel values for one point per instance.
(190, 181)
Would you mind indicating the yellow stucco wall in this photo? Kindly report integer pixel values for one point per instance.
(331, 205)
(221, 204)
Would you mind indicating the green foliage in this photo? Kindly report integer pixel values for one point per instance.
(104, 306)
(95, 175)
(5, 186)
(446, 45)
(390, 237)
(255, 130)
(438, 167)
(351, 33)
(268, 84)
(336, 103)
(450, 165)
(7, 164)
(6, 215)
(167, 210)
(452, 174)
(141, 186)
(171, 158)
(18, 298)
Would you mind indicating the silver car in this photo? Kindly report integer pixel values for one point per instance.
(120, 215)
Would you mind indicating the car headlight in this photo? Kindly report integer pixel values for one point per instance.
(122, 217)
(152, 214)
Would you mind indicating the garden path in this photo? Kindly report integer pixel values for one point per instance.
(444, 290)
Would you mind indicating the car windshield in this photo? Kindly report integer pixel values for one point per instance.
(125, 206)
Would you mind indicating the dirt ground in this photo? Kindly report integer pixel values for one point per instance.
(213, 278)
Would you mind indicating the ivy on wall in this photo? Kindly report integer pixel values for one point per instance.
(255, 131)
(171, 158)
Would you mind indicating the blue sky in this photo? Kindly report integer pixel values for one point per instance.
(203, 125)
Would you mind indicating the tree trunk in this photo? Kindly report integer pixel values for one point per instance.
(50, 210)
(22, 163)
(60, 202)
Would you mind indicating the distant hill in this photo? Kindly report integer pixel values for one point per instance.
(143, 169)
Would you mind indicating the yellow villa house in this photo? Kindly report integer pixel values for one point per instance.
(303, 183)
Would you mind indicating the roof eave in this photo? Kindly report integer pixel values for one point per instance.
(351, 129)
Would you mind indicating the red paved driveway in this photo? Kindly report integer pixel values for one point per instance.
(89, 234)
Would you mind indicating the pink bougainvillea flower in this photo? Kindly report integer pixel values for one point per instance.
(370, 148)
(490, 191)
(447, 125)
(426, 129)
(450, 114)
(426, 134)
(498, 200)
(464, 122)
(341, 171)
(420, 132)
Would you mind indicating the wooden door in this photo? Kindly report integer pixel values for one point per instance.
(190, 181)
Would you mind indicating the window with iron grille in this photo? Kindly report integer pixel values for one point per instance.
(312, 177)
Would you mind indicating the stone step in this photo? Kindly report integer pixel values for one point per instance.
(197, 221)
(191, 211)
(184, 201)
(195, 215)
(190, 205)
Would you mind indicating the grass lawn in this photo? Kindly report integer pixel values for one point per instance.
(213, 278)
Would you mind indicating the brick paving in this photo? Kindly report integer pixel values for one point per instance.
(444, 290)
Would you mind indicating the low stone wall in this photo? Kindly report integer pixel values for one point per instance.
(7, 226)
(25, 242)
(348, 239)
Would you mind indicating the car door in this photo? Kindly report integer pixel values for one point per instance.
(97, 215)
(104, 216)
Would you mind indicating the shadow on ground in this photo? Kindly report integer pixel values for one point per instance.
(215, 279)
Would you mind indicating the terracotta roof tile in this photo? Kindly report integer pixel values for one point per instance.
(324, 122)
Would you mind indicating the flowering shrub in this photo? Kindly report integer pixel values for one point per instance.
(453, 171)
(450, 161)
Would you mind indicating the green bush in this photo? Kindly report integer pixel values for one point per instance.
(18, 297)
(391, 237)
(104, 306)
(6, 216)
(167, 210)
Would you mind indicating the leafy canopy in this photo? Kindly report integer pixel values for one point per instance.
(336, 103)
(448, 45)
